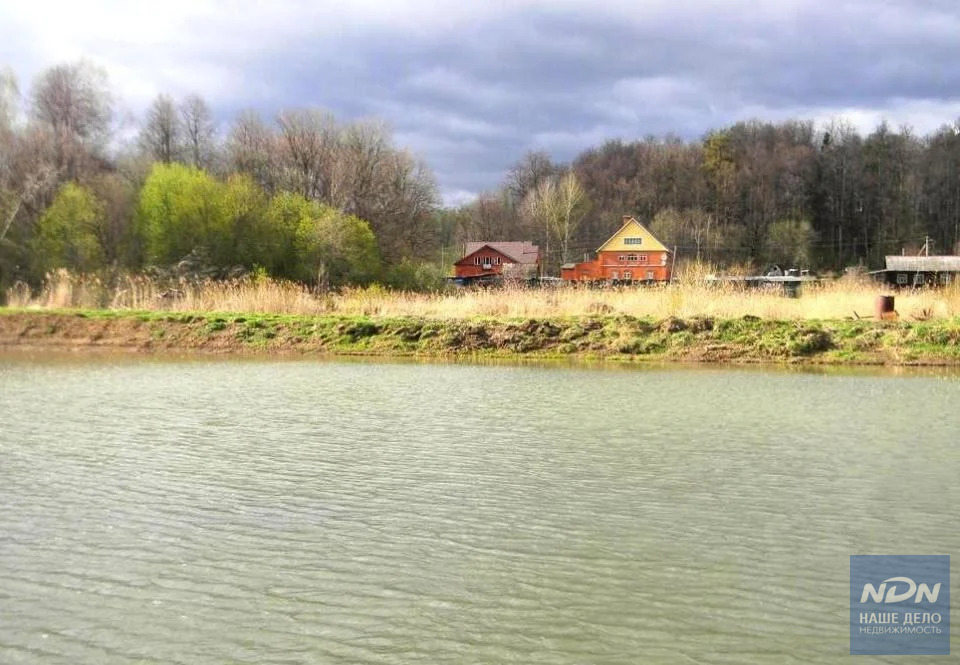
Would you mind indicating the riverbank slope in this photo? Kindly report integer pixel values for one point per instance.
(617, 337)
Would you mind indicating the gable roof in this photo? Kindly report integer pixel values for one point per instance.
(522, 252)
(632, 228)
(924, 263)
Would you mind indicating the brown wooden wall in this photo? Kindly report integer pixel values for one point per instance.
(617, 265)
(467, 267)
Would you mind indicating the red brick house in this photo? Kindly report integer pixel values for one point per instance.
(632, 254)
(519, 260)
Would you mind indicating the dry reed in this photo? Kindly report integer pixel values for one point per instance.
(842, 298)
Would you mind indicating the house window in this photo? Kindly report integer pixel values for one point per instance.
(614, 275)
(919, 279)
(901, 278)
(621, 258)
(649, 274)
(944, 278)
(643, 258)
(627, 275)
(632, 241)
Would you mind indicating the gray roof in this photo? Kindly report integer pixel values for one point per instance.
(521, 252)
(923, 263)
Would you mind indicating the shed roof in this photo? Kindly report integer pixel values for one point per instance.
(523, 252)
(923, 263)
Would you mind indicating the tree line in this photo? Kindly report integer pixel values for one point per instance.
(825, 197)
(304, 195)
(301, 196)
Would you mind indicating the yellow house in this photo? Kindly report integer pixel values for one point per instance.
(632, 254)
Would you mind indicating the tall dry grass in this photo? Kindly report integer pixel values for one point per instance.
(843, 298)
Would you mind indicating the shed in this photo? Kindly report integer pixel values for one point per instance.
(920, 270)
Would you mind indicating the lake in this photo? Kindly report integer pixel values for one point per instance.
(278, 511)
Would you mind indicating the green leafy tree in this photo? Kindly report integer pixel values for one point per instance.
(319, 244)
(249, 239)
(68, 232)
(286, 212)
(182, 210)
(409, 275)
(790, 240)
(337, 248)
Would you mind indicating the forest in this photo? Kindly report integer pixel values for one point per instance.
(754, 192)
(306, 196)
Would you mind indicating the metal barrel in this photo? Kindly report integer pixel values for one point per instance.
(884, 307)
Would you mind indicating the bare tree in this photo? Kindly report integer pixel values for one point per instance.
(309, 143)
(670, 226)
(33, 185)
(365, 148)
(73, 101)
(9, 94)
(558, 204)
(27, 182)
(199, 130)
(161, 135)
(118, 196)
(252, 148)
(9, 98)
(491, 217)
(701, 227)
(405, 202)
(528, 173)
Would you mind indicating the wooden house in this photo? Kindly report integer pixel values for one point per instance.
(489, 260)
(632, 254)
(920, 270)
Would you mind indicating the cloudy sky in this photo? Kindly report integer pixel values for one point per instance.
(471, 86)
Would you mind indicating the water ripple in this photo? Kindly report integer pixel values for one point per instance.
(265, 512)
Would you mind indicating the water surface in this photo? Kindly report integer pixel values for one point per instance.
(210, 511)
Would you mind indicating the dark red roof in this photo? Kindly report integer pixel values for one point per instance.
(522, 252)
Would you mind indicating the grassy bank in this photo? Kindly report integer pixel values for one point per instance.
(614, 336)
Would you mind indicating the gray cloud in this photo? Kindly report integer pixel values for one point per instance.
(471, 87)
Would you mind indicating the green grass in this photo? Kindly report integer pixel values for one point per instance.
(743, 339)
